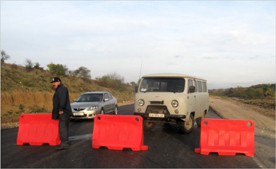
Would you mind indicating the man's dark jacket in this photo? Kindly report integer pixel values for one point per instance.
(61, 102)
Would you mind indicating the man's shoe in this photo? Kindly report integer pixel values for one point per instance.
(62, 147)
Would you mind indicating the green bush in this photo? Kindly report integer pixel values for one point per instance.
(57, 69)
(37, 109)
(21, 108)
(113, 81)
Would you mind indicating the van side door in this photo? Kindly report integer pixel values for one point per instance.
(199, 99)
(191, 96)
(203, 98)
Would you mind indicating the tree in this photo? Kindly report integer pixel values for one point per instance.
(112, 80)
(133, 84)
(29, 65)
(37, 66)
(265, 90)
(82, 72)
(57, 69)
(4, 56)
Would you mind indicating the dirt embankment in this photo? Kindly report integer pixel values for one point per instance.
(264, 120)
(17, 102)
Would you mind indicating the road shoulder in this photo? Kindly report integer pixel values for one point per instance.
(229, 108)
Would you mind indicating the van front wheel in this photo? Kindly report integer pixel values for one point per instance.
(186, 126)
(148, 125)
(198, 120)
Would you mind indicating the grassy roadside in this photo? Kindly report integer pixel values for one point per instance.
(14, 123)
(24, 91)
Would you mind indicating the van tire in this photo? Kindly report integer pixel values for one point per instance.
(198, 120)
(186, 126)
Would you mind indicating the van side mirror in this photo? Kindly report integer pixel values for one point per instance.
(191, 89)
(136, 88)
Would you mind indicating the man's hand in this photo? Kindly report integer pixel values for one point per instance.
(60, 112)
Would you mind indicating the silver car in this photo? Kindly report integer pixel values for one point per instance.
(89, 104)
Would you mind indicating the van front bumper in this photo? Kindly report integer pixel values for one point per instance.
(164, 116)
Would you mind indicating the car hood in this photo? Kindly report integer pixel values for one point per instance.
(84, 104)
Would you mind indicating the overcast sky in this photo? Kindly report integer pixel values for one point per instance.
(229, 43)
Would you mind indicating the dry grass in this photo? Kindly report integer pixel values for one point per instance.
(30, 91)
(16, 102)
(11, 101)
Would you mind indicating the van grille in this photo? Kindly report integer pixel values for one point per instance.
(157, 109)
(157, 102)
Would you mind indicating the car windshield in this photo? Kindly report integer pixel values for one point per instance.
(152, 84)
(93, 97)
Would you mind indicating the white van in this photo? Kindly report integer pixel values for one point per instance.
(172, 98)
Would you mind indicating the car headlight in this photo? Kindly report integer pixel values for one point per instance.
(92, 108)
(174, 103)
(141, 102)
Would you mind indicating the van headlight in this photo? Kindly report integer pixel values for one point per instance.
(141, 102)
(174, 103)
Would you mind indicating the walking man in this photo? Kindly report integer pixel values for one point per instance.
(61, 111)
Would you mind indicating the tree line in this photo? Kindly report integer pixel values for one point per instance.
(54, 69)
(261, 91)
(110, 80)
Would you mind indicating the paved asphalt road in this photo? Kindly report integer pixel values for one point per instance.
(167, 149)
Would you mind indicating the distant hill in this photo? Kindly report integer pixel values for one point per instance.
(24, 90)
(262, 95)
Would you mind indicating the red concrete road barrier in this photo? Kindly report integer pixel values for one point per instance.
(117, 132)
(38, 129)
(226, 137)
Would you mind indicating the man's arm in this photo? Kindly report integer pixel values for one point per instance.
(62, 98)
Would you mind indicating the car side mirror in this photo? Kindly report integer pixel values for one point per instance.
(191, 89)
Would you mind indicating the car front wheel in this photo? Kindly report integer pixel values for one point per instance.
(116, 110)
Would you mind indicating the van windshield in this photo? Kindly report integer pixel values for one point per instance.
(152, 84)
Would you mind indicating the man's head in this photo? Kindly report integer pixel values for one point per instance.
(55, 82)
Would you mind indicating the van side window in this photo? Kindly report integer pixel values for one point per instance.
(199, 86)
(191, 86)
(204, 86)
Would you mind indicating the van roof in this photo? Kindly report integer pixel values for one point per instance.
(172, 75)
